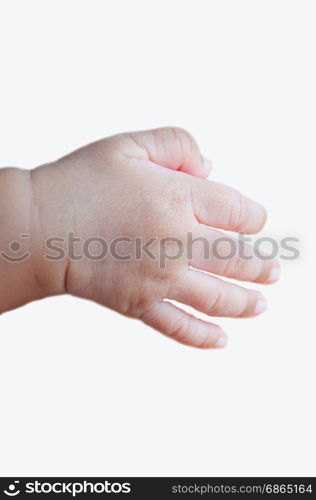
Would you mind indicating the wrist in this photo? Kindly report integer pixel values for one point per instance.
(47, 220)
(25, 273)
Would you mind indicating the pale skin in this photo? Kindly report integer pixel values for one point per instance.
(143, 184)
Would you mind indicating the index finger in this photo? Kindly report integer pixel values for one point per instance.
(223, 207)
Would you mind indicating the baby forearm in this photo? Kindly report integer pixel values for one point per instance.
(25, 275)
(18, 283)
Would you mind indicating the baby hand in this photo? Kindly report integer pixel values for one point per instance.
(146, 188)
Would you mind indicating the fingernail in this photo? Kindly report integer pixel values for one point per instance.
(274, 275)
(221, 342)
(208, 165)
(261, 305)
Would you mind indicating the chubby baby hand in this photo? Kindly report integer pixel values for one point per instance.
(142, 226)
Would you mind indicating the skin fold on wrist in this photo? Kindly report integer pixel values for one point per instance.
(25, 274)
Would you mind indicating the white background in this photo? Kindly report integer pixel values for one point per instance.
(85, 391)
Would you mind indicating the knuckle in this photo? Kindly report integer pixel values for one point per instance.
(238, 212)
(246, 306)
(185, 139)
(263, 271)
(219, 303)
(180, 132)
(169, 277)
(204, 342)
(179, 197)
(137, 308)
(234, 266)
(174, 199)
(181, 328)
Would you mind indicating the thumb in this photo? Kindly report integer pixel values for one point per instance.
(173, 148)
